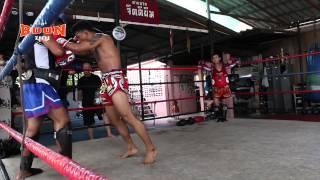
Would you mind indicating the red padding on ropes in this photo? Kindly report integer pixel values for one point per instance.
(277, 92)
(195, 97)
(143, 69)
(135, 103)
(5, 14)
(63, 165)
(279, 58)
(194, 68)
(166, 100)
(173, 68)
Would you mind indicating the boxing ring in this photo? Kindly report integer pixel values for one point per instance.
(206, 150)
(197, 139)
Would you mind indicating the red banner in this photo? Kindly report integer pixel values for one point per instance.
(143, 11)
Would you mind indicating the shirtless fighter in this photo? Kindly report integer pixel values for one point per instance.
(114, 87)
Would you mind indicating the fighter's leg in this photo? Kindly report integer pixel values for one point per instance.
(121, 103)
(217, 108)
(122, 128)
(33, 127)
(62, 130)
(229, 103)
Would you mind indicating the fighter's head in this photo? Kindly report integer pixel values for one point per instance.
(216, 58)
(227, 56)
(83, 30)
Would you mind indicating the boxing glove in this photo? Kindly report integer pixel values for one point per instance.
(68, 56)
(66, 59)
(62, 41)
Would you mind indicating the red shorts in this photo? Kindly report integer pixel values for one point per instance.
(112, 82)
(222, 92)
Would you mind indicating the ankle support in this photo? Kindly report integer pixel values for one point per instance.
(26, 162)
(64, 137)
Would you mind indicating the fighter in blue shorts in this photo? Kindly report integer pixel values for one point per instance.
(41, 77)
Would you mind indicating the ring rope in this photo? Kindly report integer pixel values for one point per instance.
(61, 164)
(196, 97)
(5, 14)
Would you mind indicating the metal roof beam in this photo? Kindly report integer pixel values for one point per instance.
(295, 12)
(313, 4)
(266, 7)
(147, 32)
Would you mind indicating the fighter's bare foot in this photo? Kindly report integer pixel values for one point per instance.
(130, 152)
(24, 174)
(150, 156)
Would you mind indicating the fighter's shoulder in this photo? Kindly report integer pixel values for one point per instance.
(102, 36)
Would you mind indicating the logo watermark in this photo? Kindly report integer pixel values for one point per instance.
(43, 33)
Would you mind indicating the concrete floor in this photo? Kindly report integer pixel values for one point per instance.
(245, 149)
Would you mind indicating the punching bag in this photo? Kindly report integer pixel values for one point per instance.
(313, 80)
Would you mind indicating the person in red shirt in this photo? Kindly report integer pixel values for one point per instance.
(220, 82)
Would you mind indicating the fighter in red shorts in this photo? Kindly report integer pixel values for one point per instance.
(114, 88)
(111, 83)
(220, 82)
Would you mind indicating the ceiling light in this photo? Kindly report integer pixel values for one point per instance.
(14, 11)
(29, 13)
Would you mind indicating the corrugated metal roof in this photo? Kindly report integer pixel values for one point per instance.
(278, 14)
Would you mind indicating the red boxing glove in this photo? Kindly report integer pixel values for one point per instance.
(61, 40)
(68, 56)
(66, 59)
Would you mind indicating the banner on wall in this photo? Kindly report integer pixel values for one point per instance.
(143, 11)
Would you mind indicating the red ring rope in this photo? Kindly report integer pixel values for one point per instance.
(61, 164)
(278, 92)
(5, 14)
(195, 97)
(195, 68)
(135, 103)
(143, 69)
(279, 58)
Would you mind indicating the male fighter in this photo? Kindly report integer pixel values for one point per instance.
(41, 98)
(114, 87)
(220, 82)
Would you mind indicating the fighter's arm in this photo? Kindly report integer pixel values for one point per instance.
(84, 46)
(54, 47)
